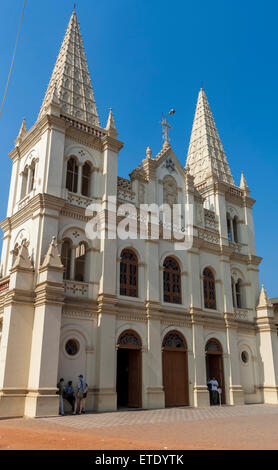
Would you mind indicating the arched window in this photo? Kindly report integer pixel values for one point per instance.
(209, 289)
(24, 176)
(171, 281)
(72, 175)
(129, 274)
(233, 292)
(235, 222)
(86, 177)
(213, 347)
(229, 228)
(32, 176)
(174, 340)
(129, 339)
(66, 257)
(237, 293)
(80, 259)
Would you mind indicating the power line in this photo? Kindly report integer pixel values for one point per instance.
(11, 67)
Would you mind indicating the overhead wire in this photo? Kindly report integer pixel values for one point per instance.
(11, 67)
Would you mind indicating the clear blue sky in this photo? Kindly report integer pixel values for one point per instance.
(148, 56)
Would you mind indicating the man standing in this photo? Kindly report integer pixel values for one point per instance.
(214, 386)
(69, 394)
(81, 387)
(60, 392)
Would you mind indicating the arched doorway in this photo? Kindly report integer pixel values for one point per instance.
(175, 369)
(214, 364)
(129, 370)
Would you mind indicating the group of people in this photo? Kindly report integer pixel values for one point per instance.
(76, 398)
(215, 391)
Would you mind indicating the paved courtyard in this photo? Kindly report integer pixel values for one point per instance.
(226, 427)
(168, 415)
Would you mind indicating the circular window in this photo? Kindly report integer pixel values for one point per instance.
(244, 356)
(72, 347)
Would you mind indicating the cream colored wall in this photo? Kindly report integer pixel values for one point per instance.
(85, 332)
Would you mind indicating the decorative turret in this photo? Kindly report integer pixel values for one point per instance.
(110, 127)
(21, 133)
(22, 259)
(70, 83)
(206, 155)
(52, 257)
(264, 300)
(243, 184)
(149, 152)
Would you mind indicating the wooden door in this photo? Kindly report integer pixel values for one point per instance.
(215, 369)
(175, 378)
(134, 378)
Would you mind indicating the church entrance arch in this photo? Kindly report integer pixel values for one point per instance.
(129, 370)
(175, 369)
(214, 364)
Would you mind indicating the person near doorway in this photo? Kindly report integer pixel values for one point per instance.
(219, 390)
(81, 387)
(210, 392)
(60, 392)
(214, 393)
(69, 394)
(84, 399)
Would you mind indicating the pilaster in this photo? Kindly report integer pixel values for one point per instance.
(15, 346)
(268, 347)
(41, 398)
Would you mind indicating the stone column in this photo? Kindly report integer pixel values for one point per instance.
(79, 179)
(200, 390)
(234, 393)
(220, 209)
(15, 347)
(105, 392)
(105, 396)
(41, 399)
(268, 347)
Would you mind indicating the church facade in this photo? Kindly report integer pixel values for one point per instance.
(146, 324)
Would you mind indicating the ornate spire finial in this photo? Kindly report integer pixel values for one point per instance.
(22, 132)
(243, 183)
(201, 84)
(264, 300)
(52, 257)
(22, 259)
(110, 127)
(149, 152)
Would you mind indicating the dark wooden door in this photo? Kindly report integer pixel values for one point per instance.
(134, 378)
(215, 369)
(175, 378)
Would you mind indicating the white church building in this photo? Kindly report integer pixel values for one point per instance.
(146, 324)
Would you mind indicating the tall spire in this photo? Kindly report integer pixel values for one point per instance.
(72, 79)
(206, 154)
